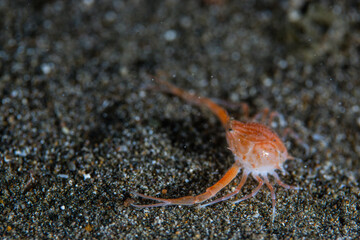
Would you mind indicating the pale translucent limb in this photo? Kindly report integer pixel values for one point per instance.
(256, 190)
(268, 117)
(162, 202)
(290, 132)
(263, 115)
(272, 191)
(281, 183)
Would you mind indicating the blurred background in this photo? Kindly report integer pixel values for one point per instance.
(79, 131)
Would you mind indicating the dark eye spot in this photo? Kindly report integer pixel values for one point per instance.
(230, 129)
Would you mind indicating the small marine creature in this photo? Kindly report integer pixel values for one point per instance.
(257, 149)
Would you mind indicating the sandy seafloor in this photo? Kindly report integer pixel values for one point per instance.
(79, 133)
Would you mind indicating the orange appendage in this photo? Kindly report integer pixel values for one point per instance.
(257, 149)
(220, 112)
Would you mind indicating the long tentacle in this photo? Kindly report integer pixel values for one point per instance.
(220, 112)
(190, 200)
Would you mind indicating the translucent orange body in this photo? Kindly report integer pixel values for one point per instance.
(257, 150)
(256, 147)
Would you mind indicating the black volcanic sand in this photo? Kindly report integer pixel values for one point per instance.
(79, 132)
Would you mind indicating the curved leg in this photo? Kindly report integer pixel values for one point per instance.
(256, 190)
(162, 202)
(190, 200)
(226, 197)
(290, 132)
(281, 183)
(263, 114)
(267, 117)
(272, 191)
